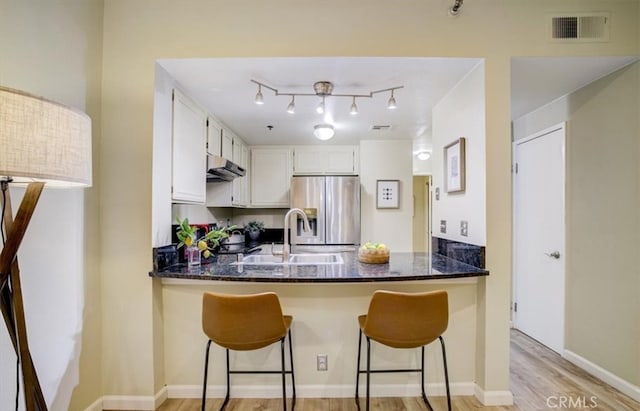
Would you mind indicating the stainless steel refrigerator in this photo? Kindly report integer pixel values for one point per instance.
(332, 205)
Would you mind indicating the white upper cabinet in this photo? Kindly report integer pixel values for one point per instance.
(233, 193)
(214, 137)
(240, 184)
(270, 170)
(227, 144)
(326, 160)
(188, 163)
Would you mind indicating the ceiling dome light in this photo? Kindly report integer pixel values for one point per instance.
(291, 108)
(392, 102)
(323, 131)
(259, 98)
(354, 109)
(423, 155)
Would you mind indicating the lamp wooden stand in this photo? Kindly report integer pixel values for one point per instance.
(11, 298)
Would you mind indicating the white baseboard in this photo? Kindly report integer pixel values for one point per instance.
(134, 402)
(144, 403)
(96, 406)
(319, 391)
(493, 398)
(613, 380)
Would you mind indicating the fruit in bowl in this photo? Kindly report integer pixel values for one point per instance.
(373, 253)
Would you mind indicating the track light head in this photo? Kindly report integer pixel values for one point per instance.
(321, 107)
(291, 108)
(259, 98)
(391, 105)
(354, 109)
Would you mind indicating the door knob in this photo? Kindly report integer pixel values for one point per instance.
(555, 254)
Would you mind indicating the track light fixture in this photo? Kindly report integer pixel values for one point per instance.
(455, 9)
(324, 89)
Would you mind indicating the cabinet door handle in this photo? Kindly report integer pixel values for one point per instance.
(554, 254)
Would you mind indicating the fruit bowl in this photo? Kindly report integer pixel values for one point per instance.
(373, 253)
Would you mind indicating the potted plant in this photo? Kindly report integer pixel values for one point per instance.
(253, 228)
(186, 234)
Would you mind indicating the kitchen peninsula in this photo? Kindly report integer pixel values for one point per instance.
(401, 267)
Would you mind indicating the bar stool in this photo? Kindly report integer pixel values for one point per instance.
(242, 323)
(404, 320)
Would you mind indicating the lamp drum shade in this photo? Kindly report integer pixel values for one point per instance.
(41, 140)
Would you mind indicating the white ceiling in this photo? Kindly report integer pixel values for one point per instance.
(536, 81)
(224, 88)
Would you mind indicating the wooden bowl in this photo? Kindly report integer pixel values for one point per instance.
(374, 257)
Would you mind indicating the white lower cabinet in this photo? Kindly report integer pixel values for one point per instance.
(325, 160)
(271, 170)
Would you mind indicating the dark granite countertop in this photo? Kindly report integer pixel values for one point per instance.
(401, 267)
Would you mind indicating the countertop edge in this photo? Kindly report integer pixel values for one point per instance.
(192, 282)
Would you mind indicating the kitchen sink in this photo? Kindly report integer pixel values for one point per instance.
(315, 259)
(294, 259)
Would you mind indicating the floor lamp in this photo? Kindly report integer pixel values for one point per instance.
(41, 142)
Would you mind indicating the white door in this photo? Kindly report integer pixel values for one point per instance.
(539, 236)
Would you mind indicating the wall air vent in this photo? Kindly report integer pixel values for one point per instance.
(579, 27)
(380, 127)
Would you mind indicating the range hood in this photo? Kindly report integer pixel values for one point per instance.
(221, 169)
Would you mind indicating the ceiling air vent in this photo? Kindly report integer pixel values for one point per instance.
(380, 127)
(579, 27)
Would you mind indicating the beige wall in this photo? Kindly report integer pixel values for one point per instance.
(319, 328)
(602, 221)
(54, 49)
(386, 160)
(421, 214)
(461, 113)
(137, 33)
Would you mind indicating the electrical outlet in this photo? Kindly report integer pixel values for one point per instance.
(322, 362)
(464, 228)
(443, 226)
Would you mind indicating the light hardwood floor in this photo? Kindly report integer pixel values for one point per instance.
(540, 380)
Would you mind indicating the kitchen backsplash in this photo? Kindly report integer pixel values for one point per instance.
(200, 214)
(467, 253)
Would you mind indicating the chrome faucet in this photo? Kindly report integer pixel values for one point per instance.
(286, 248)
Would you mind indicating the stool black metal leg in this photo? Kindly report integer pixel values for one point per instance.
(446, 373)
(358, 368)
(206, 370)
(368, 370)
(293, 377)
(226, 398)
(284, 383)
(424, 395)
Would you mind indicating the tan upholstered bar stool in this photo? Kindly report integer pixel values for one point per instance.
(242, 323)
(404, 320)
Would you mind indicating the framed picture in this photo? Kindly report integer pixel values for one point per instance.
(388, 194)
(454, 160)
